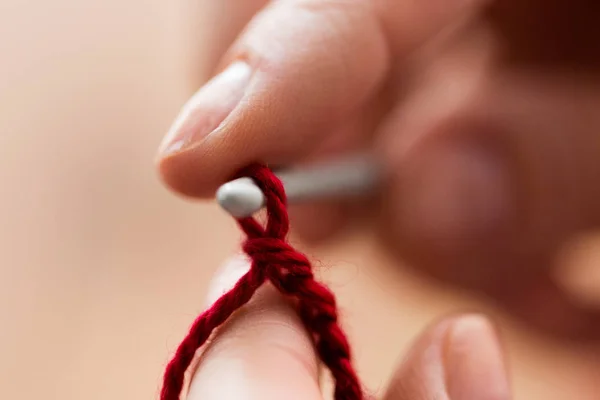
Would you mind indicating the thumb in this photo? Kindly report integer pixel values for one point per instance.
(458, 358)
(299, 68)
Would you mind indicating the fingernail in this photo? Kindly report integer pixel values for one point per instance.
(473, 361)
(456, 192)
(207, 109)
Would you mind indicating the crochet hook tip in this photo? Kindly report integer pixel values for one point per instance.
(240, 197)
(347, 177)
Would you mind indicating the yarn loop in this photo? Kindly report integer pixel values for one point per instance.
(291, 273)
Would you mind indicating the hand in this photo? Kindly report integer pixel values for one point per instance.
(263, 352)
(484, 115)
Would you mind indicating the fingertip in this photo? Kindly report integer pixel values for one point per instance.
(296, 72)
(457, 358)
(184, 174)
(474, 360)
(262, 351)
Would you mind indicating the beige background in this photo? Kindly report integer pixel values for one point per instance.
(102, 269)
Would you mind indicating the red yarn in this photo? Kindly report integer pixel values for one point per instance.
(288, 270)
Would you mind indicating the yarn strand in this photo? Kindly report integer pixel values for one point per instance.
(291, 273)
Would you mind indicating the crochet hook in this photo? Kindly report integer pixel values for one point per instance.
(350, 176)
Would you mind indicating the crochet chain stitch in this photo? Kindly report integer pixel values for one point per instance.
(291, 273)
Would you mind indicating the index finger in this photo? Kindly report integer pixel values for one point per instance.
(298, 70)
(262, 352)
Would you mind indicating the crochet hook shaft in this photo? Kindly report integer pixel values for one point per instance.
(347, 177)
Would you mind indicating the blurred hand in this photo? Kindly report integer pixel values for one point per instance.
(263, 352)
(484, 115)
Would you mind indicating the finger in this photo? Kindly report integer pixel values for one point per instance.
(263, 352)
(494, 173)
(459, 358)
(317, 221)
(490, 168)
(299, 68)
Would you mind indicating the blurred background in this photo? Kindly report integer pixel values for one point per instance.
(102, 269)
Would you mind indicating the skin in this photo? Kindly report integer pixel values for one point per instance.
(263, 352)
(482, 113)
